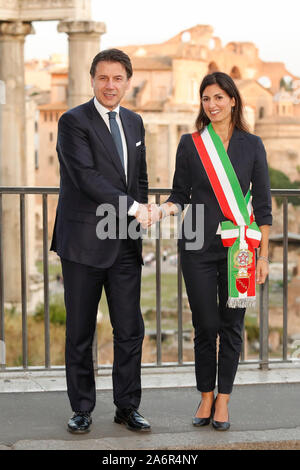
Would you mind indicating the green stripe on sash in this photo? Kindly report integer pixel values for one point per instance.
(227, 165)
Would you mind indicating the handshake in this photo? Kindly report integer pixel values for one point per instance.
(149, 214)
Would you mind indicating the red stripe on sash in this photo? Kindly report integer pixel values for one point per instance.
(251, 272)
(228, 241)
(213, 178)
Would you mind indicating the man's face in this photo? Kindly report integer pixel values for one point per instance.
(110, 83)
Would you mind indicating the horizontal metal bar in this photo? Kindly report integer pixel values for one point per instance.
(55, 190)
(161, 191)
(285, 192)
(28, 190)
(153, 365)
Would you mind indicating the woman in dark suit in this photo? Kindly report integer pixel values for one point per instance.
(205, 268)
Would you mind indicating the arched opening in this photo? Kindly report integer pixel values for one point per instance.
(261, 112)
(212, 67)
(235, 72)
(265, 81)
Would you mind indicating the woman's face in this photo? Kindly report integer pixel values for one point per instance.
(217, 104)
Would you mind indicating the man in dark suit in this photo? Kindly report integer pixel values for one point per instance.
(103, 170)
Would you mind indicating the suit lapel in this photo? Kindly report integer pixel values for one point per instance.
(131, 144)
(104, 135)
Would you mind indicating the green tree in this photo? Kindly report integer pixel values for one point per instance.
(280, 180)
(286, 84)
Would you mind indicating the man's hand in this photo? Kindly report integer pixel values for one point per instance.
(148, 214)
(143, 215)
(155, 213)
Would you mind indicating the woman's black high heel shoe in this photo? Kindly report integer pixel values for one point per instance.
(203, 421)
(220, 425)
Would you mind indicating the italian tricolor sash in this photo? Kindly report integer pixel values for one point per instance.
(240, 232)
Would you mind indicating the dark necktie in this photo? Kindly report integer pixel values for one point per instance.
(116, 135)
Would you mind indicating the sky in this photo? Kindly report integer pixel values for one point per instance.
(273, 25)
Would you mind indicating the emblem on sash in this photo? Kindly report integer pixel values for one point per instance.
(242, 259)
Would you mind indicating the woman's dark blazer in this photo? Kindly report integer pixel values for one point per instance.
(192, 186)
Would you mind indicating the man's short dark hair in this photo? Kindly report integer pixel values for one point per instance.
(112, 55)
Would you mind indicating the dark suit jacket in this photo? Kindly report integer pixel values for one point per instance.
(92, 174)
(192, 186)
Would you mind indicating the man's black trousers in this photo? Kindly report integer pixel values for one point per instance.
(83, 287)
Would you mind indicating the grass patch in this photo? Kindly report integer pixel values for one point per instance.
(57, 311)
(54, 269)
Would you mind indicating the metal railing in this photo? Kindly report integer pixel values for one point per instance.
(263, 360)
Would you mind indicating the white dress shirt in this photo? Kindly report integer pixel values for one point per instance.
(104, 114)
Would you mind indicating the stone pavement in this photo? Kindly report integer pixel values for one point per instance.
(264, 412)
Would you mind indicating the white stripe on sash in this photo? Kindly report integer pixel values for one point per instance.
(231, 233)
(255, 234)
(249, 207)
(222, 176)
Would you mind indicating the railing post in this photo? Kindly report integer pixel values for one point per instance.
(285, 279)
(179, 301)
(158, 289)
(46, 281)
(23, 281)
(242, 357)
(2, 328)
(95, 350)
(264, 325)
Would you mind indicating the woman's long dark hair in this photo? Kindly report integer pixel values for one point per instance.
(226, 83)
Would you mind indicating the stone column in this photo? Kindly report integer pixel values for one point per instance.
(173, 142)
(152, 146)
(12, 37)
(12, 147)
(84, 44)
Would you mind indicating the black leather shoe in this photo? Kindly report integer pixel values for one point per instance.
(132, 418)
(80, 422)
(202, 421)
(221, 425)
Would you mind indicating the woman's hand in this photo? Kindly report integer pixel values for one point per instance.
(262, 270)
(262, 267)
